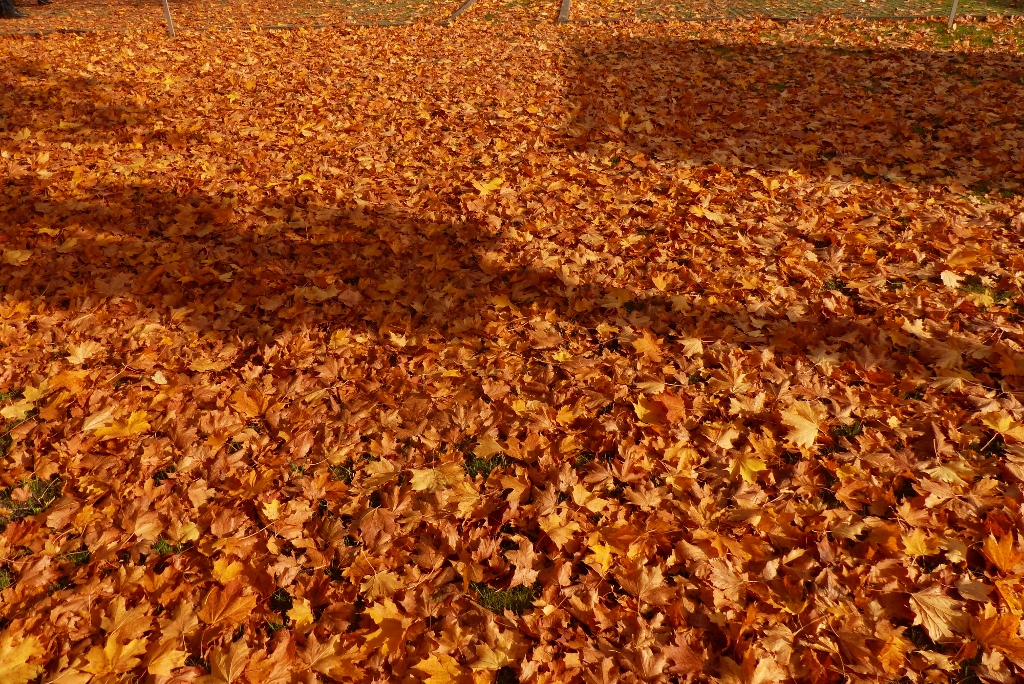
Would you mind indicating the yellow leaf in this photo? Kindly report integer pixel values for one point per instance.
(80, 353)
(135, 424)
(950, 279)
(165, 659)
(893, 652)
(227, 666)
(600, 557)
(381, 584)
(225, 570)
(748, 466)
(250, 404)
(488, 187)
(440, 668)
(804, 418)
(426, 480)
(650, 411)
(692, 346)
(99, 419)
(488, 659)
(721, 434)
(301, 613)
(16, 257)
(1005, 425)
(559, 531)
(648, 346)
(919, 543)
(17, 411)
(230, 605)
(1002, 554)
(486, 447)
(391, 626)
(916, 328)
(14, 665)
(272, 509)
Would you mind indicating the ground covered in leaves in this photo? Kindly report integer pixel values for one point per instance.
(120, 15)
(525, 353)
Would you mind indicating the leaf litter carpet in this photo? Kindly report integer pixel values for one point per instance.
(512, 353)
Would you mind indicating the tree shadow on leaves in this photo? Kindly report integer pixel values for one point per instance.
(910, 116)
(253, 272)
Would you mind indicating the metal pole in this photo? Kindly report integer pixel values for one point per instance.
(952, 14)
(170, 22)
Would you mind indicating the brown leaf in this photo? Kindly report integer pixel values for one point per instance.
(227, 606)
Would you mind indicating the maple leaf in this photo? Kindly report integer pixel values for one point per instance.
(275, 667)
(229, 605)
(683, 658)
(650, 411)
(490, 659)
(16, 257)
(1000, 631)
(322, 658)
(1005, 425)
(919, 543)
(225, 570)
(524, 559)
(675, 407)
(753, 670)
(748, 466)
(381, 584)
(18, 411)
(804, 419)
(558, 530)
(250, 404)
(82, 352)
(15, 667)
(600, 558)
(487, 447)
(114, 657)
(99, 419)
(490, 186)
(227, 665)
(391, 627)
(940, 615)
(125, 623)
(301, 613)
(648, 346)
(440, 668)
(893, 653)
(646, 583)
(164, 658)
(1002, 553)
(135, 424)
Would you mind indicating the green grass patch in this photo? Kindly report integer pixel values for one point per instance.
(850, 431)
(164, 473)
(483, 466)
(6, 579)
(517, 599)
(165, 547)
(42, 493)
(80, 557)
(344, 472)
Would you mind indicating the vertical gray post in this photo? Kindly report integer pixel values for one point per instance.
(170, 22)
(952, 14)
(563, 13)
